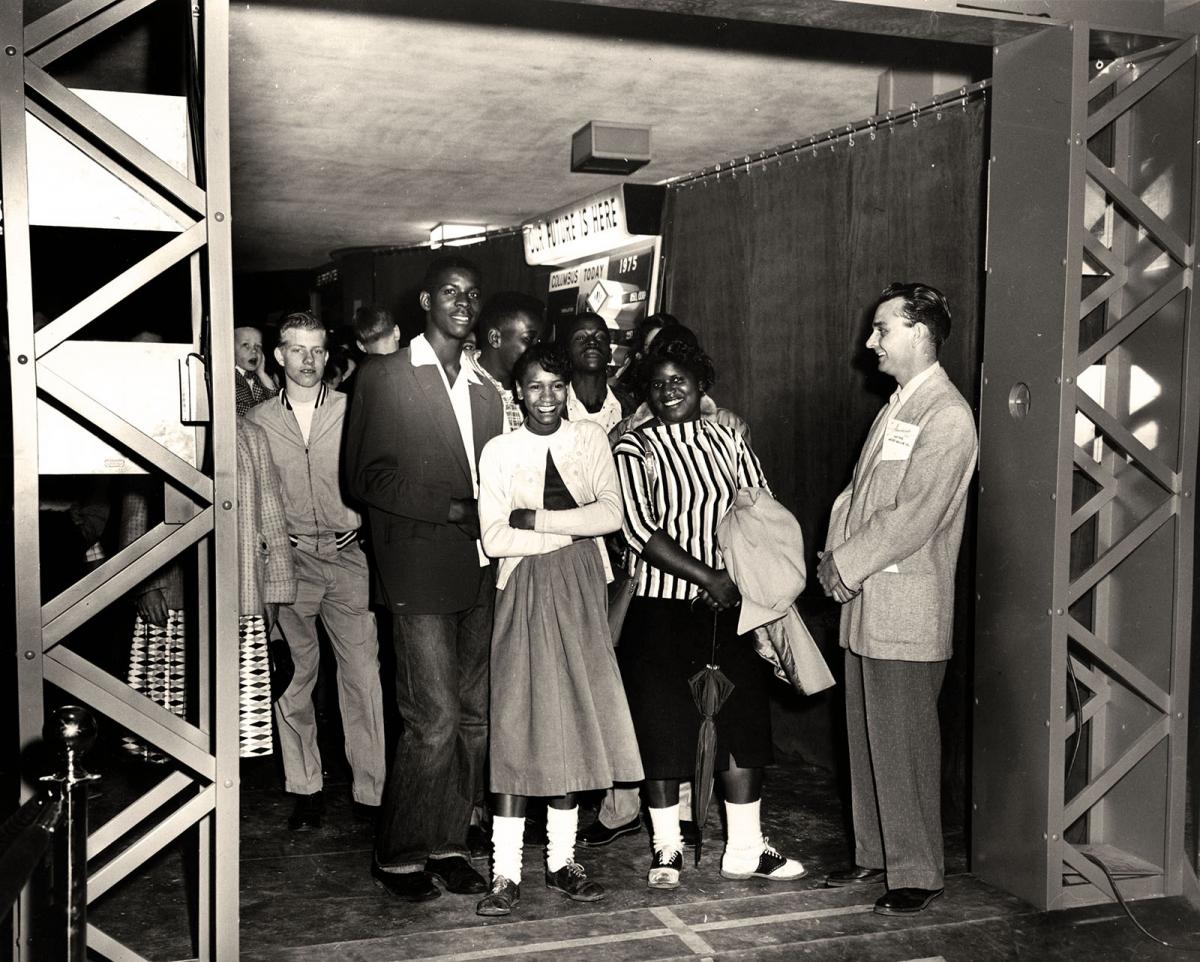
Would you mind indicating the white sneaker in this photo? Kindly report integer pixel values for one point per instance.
(763, 862)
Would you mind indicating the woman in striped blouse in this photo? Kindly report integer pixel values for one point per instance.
(679, 474)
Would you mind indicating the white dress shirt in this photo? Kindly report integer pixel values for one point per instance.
(421, 353)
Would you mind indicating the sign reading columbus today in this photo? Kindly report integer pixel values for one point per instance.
(584, 228)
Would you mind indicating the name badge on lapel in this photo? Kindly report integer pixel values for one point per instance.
(898, 440)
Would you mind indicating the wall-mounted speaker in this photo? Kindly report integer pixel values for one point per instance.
(600, 147)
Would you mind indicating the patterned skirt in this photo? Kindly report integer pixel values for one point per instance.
(158, 669)
(254, 687)
(559, 720)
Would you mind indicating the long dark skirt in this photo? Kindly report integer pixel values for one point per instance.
(559, 720)
(664, 643)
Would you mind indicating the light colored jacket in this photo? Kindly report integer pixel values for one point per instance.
(265, 572)
(896, 529)
(310, 473)
(763, 549)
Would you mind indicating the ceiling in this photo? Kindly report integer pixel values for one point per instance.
(362, 123)
(367, 124)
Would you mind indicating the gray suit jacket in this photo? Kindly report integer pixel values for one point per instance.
(896, 529)
(405, 460)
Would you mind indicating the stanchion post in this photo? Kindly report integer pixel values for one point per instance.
(75, 729)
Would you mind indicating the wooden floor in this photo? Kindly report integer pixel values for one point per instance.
(310, 898)
(971, 922)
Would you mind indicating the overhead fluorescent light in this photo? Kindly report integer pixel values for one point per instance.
(456, 235)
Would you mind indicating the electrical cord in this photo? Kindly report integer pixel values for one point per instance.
(1132, 918)
(1078, 719)
(1112, 882)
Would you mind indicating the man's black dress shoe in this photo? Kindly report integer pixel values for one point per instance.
(409, 886)
(456, 874)
(306, 816)
(855, 875)
(598, 834)
(905, 901)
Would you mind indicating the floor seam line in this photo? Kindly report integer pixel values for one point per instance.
(860, 909)
(884, 933)
(684, 932)
(535, 947)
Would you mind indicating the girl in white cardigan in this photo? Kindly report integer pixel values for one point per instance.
(548, 493)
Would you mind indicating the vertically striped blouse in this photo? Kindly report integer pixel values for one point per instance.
(681, 478)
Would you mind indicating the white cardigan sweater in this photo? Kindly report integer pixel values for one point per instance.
(512, 474)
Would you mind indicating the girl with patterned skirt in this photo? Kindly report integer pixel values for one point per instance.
(157, 656)
(559, 721)
(265, 581)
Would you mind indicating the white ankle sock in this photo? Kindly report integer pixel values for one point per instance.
(664, 823)
(745, 827)
(561, 826)
(508, 835)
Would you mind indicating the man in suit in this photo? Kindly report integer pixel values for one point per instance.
(251, 383)
(419, 421)
(893, 542)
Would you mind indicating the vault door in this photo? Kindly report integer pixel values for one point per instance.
(1087, 471)
(190, 200)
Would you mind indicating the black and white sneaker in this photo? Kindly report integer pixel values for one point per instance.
(664, 868)
(765, 863)
(572, 881)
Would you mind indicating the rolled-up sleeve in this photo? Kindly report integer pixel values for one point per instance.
(641, 516)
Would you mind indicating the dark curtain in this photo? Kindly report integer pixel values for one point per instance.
(777, 268)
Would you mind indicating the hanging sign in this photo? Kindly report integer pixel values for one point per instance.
(617, 217)
(619, 285)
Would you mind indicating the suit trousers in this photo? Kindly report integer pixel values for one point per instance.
(437, 773)
(895, 767)
(333, 584)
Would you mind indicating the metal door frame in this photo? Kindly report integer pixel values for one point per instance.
(206, 785)
(1055, 608)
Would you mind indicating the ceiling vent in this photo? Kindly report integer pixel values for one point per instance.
(600, 147)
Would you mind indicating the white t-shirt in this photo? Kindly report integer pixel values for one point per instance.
(304, 414)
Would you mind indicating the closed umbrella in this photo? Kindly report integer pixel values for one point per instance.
(710, 689)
